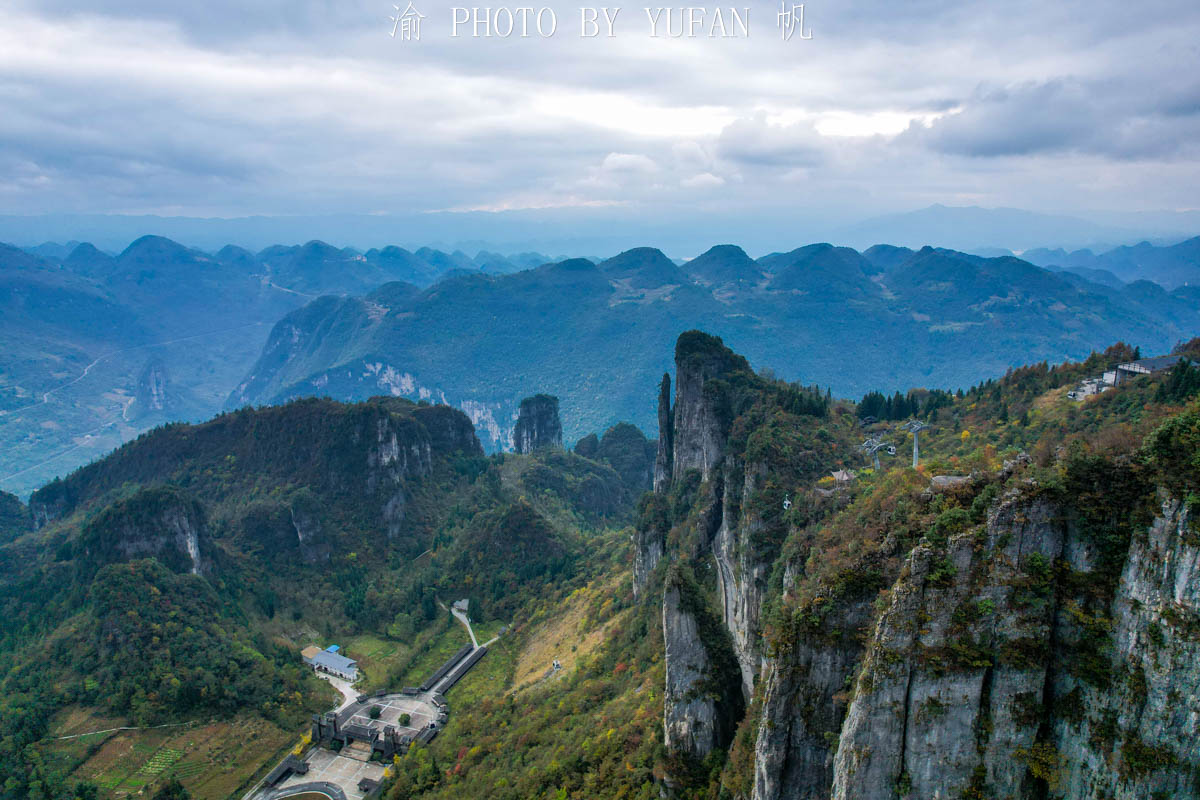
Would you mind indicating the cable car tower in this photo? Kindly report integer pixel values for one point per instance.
(873, 445)
(915, 426)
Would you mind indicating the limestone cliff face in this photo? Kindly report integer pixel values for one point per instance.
(538, 425)
(931, 714)
(690, 716)
(1139, 737)
(978, 680)
(649, 541)
(162, 523)
(741, 570)
(803, 704)
(692, 444)
(701, 415)
(666, 438)
(153, 391)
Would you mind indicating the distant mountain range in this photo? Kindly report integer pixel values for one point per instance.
(595, 334)
(100, 346)
(1173, 266)
(608, 230)
(97, 347)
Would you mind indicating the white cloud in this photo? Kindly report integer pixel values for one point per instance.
(628, 162)
(705, 180)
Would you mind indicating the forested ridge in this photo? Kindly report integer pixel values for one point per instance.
(172, 579)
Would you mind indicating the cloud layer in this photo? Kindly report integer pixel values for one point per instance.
(311, 108)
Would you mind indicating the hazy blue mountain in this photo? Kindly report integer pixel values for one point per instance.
(823, 270)
(886, 257)
(1171, 266)
(51, 250)
(530, 260)
(444, 262)
(1100, 276)
(239, 257)
(495, 263)
(974, 228)
(482, 342)
(87, 260)
(725, 263)
(643, 268)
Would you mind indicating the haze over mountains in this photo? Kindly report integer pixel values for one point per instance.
(101, 346)
(611, 229)
(594, 334)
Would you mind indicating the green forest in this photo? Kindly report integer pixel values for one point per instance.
(178, 576)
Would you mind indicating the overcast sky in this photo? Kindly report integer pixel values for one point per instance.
(310, 107)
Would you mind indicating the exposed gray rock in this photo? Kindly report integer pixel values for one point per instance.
(153, 390)
(649, 541)
(690, 717)
(931, 714)
(741, 571)
(700, 417)
(967, 685)
(802, 709)
(160, 522)
(538, 425)
(666, 437)
(1139, 737)
(948, 481)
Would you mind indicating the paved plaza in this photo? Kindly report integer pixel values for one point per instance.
(326, 766)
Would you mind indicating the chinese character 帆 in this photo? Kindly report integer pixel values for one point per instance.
(790, 19)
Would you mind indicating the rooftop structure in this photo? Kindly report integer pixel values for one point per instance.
(1145, 366)
(331, 662)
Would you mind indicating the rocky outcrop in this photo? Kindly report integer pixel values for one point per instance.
(741, 570)
(803, 704)
(934, 713)
(649, 540)
(538, 425)
(692, 440)
(153, 390)
(990, 673)
(663, 469)
(1138, 737)
(162, 523)
(694, 722)
(701, 411)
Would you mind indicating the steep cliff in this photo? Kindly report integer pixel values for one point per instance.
(663, 467)
(703, 405)
(715, 506)
(162, 522)
(1002, 625)
(538, 426)
(1011, 664)
(154, 394)
(701, 703)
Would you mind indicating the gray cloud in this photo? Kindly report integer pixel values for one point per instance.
(309, 107)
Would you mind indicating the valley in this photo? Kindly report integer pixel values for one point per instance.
(739, 613)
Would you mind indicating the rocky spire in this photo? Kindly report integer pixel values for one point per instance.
(538, 425)
(666, 437)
